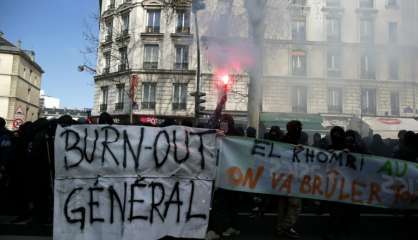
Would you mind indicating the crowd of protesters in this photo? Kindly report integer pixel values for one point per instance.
(27, 170)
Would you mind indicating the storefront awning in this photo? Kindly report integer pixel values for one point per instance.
(310, 122)
(331, 120)
(389, 127)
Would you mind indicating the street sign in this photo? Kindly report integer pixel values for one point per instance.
(17, 123)
(19, 113)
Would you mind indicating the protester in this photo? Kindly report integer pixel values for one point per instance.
(27, 172)
(378, 147)
(105, 118)
(317, 141)
(251, 132)
(289, 208)
(354, 142)
(6, 150)
(275, 134)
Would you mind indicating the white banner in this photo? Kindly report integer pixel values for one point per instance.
(127, 182)
(260, 166)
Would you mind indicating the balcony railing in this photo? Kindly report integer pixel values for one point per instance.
(124, 33)
(122, 67)
(152, 29)
(299, 2)
(299, 72)
(335, 108)
(148, 105)
(108, 38)
(119, 106)
(395, 112)
(368, 75)
(180, 29)
(298, 36)
(334, 37)
(368, 111)
(150, 65)
(299, 109)
(179, 106)
(333, 3)
(367, 39)
(181, 66)
(334, 73)
(103, 107)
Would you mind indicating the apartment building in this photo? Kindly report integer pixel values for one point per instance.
(327, 62)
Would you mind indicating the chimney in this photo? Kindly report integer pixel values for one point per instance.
(1, 34)
(19, 44)
(32, 55)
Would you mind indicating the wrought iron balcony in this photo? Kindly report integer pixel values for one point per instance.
(148, 105)
(179, 106)
(119, 106)
(103, 107)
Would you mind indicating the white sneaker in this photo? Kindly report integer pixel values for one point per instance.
(212, 235)
(231, 232)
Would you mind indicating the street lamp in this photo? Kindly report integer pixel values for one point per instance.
(84, 67)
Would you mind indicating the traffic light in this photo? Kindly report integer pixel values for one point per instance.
(198, 5)
(198, 101)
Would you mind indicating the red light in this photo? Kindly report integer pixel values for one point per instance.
(225, 79)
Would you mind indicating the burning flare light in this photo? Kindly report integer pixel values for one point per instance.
(225, 79)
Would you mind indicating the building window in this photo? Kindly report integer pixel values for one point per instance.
(120, 88)
(299, 99)
(183, 22)
(299, 30)
(30, 75)
(182, 57)
(299, 63)
(368, 70)
(366, 30)
(393, 32)
(123, 52)
(334, 63)
(151, 56)
(333, 3)
(366, 3)
(180, 96)
(112, 4)
(125, 23)
(28, 98)
(393, 68)
(334, 29)
(368, 101)
(335, 100)
(109, 29)
(153, 25)
(107, 62)
(105, 95)
(394, 104)
(392, 3)
(148, 95)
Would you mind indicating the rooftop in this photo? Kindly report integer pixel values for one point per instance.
(8, 47)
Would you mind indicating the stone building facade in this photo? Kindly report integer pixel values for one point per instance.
(20, 82)
(332, 58)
